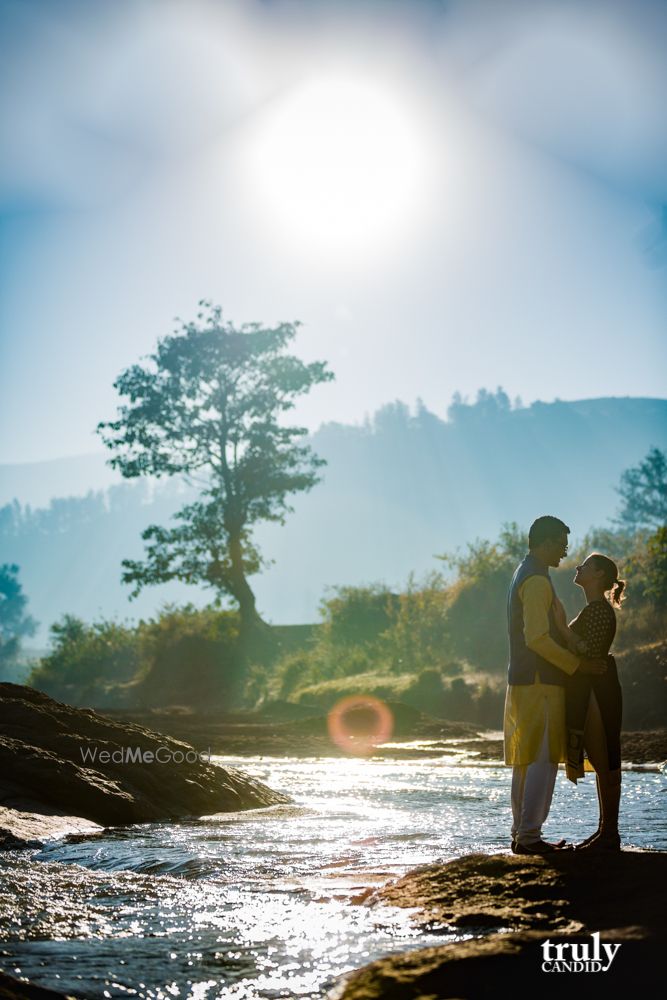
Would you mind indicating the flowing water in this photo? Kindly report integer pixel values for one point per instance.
(269, 903)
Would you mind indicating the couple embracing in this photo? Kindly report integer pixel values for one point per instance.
(563, 695)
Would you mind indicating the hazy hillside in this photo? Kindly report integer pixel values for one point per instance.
(35, 483)
(397, 490)
(407, 486)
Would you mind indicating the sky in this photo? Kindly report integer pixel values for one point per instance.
(446, 195)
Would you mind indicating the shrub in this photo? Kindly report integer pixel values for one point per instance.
(86, 659)
(358, 615)
(458, 701)
(419, 637)
(190, 657)
(183, 656)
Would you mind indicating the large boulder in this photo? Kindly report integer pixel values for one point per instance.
(506, 965)
(512, 906)
(12, 988)
(83, 764)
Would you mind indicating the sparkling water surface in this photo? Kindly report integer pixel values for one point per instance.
(270, 903)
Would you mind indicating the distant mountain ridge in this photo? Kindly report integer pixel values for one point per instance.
(396, 491)
(36, 483)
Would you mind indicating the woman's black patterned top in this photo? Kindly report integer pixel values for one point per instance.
(596, 625)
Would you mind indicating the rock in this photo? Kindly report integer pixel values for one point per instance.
(565, 890)
(17, 989)
(647, 747)
(503, 965)
(25, 826)
(76, 763)
(561, 897)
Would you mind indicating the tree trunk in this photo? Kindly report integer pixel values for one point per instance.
(254, 631)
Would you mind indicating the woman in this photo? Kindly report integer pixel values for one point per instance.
(593, 704)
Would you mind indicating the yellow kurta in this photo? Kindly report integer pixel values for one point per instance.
(529, 706)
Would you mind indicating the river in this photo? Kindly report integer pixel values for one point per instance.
(269, 903)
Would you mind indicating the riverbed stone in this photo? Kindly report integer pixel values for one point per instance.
(14, 988)
(58, 759)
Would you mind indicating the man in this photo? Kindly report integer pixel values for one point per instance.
(539, 664)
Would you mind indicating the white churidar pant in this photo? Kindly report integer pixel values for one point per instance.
(532, 791)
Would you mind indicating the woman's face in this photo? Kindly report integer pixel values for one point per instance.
(587, 573)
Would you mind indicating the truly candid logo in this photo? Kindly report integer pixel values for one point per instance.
(137, 755)
(578, 957)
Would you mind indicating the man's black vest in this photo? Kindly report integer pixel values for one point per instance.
(524, 663)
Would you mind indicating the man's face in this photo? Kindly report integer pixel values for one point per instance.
(556, 549)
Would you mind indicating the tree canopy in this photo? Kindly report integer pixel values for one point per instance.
(15, 624)
(209, 406)
(643, 490)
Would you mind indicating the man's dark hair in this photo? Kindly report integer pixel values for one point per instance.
(544, 529)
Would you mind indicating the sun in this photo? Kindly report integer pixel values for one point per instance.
(338, 164)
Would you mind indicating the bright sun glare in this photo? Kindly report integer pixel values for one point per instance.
(339, 165)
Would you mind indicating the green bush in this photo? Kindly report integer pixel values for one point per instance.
(477, 606)
(182, 656)
(190, 657)
(293, 671)
(642, 671)
(489, 704)
(419, 637)
(457, 705)
(87, 659)
(648, 567)
(358, 615)
(427, 692)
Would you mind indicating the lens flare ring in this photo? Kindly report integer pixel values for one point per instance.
(359, 723)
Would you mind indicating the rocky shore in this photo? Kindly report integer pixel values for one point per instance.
(69, 770)
(513, 906)
(12, 988)
(297, 731)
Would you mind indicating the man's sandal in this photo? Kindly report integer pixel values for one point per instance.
(538, 847)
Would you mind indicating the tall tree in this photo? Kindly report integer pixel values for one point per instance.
(15, 624)
(209, 407)
(643, 490)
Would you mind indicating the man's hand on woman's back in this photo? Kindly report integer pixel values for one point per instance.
(591, 666)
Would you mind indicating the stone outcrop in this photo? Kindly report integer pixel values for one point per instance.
(563, 898)
(12, 988)
(29, 823)
(57, 760)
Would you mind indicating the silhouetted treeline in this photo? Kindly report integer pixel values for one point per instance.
(397, 490)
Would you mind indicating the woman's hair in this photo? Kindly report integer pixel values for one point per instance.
(610, 579)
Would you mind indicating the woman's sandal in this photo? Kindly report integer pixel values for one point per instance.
(601, 842)
(588, 840)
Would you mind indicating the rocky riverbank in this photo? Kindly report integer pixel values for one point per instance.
(513, 906)
(12, 988)
(296, 731)
(70, 770)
